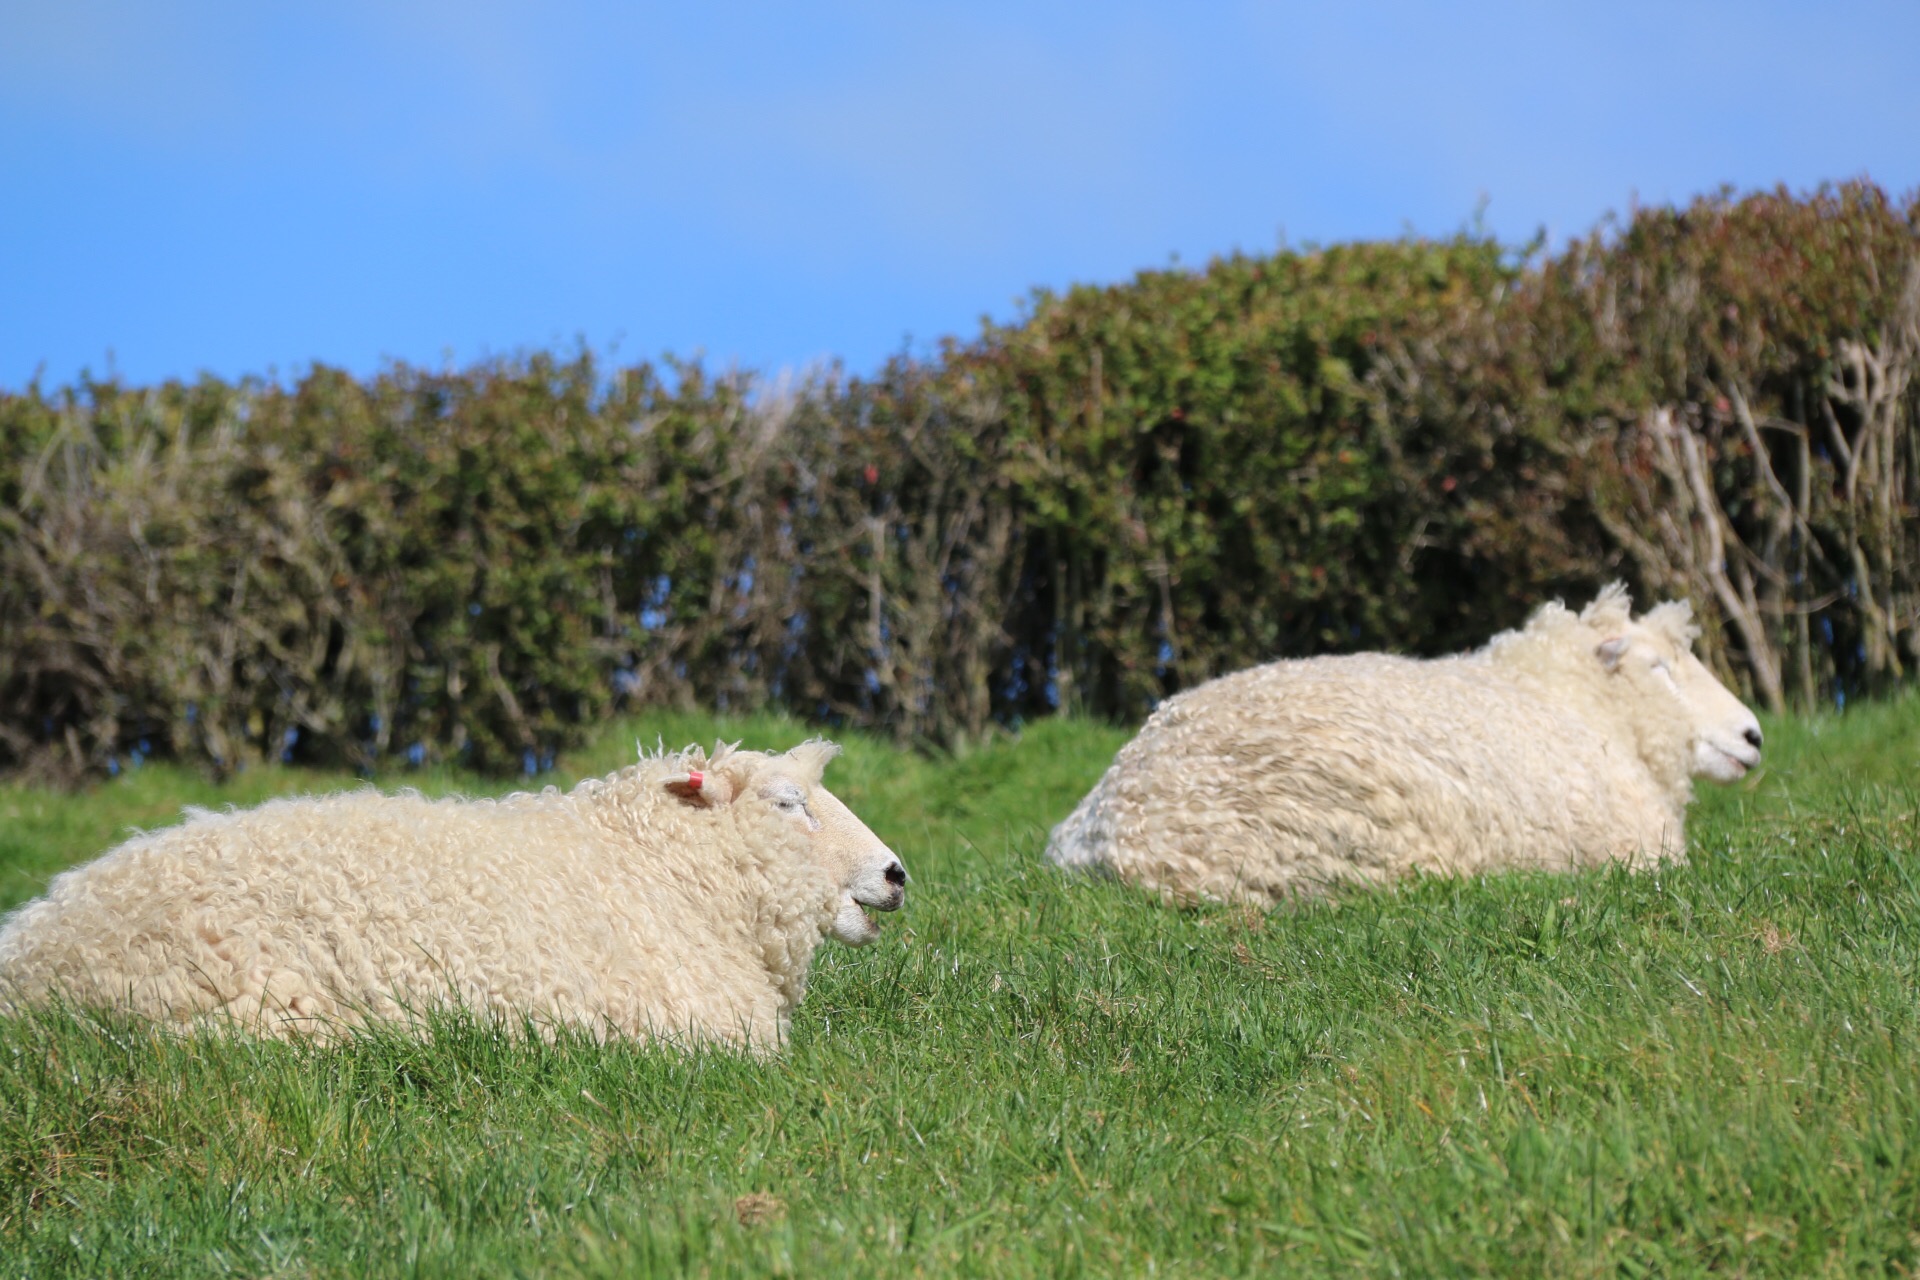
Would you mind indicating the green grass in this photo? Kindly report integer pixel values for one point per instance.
(1708, 1069)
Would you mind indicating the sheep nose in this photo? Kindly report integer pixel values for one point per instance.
(1753, 737)
(895, 873)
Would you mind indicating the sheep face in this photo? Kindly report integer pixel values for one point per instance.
(869, 875)
(1724, 736)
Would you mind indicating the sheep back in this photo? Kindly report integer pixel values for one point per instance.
(1291, 777)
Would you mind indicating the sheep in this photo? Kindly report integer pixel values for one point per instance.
(1570, 742)
(680, 898)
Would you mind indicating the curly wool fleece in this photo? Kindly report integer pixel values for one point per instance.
(680, 898)
(1569, 742)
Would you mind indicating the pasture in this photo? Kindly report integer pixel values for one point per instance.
(1707, 1069)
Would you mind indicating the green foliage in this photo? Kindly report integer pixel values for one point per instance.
(1704, 1071)
(1400, 445)
(1221, 467)
(1739, 384)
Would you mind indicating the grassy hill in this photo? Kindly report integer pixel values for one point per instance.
(1711, 1068)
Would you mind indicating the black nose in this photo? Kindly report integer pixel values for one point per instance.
(1753, 738)
(896, 874)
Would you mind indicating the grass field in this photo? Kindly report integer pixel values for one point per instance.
(1708, 1069)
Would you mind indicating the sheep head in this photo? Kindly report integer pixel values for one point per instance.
(1654, 655)
(868, 874)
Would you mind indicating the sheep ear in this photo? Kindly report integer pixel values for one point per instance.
(1610, 651)
(706, 787)
(813, 756)
(1674, 620)
(1612, 607)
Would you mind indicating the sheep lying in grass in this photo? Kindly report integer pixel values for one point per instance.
(679, 898)
(1570, 742)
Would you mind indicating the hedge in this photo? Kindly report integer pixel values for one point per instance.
(1397, 445)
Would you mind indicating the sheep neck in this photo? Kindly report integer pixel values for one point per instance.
(794, 902)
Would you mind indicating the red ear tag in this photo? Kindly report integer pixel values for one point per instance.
(694, 779)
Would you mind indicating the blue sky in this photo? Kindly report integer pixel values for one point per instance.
(250, 188)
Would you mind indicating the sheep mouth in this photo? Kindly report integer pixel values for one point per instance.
(854, 924)
(1738, 765)
(867, 911)
(892, 901)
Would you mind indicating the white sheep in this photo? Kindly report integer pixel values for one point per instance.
(1570, 742)
(679, 898)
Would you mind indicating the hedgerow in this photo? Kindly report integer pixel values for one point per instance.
(1130, 489)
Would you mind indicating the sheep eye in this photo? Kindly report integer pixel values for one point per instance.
(795, 806)
(790, 802)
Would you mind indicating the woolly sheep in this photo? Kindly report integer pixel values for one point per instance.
(1570, 742)
(680, 898)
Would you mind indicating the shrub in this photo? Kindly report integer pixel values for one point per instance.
(1402, 445)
